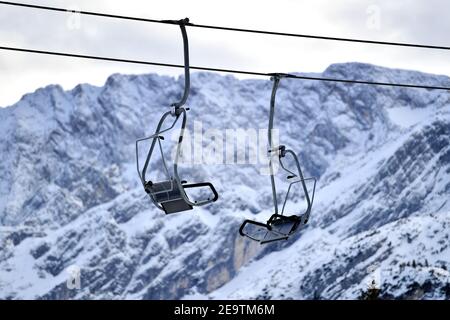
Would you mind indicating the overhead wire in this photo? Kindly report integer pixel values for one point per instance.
(275, 33)
(254, 73)
(224, 70)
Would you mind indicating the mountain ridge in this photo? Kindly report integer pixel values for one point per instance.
(70, 194)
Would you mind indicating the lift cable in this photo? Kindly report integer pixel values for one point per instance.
(253, 73)
(298, 35)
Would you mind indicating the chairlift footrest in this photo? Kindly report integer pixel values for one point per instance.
(277, 228)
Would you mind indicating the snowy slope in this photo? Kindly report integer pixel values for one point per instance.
(325, 266)
(70, 195)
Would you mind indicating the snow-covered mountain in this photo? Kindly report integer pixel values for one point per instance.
(70, 196)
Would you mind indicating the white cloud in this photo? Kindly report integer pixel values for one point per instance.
(404, 20)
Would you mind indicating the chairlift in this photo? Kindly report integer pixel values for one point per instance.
(280, 225)
(170, 194)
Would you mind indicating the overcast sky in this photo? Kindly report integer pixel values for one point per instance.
(421, 21)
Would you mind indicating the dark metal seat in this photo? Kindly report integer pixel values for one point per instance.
(171, 198)
(278, 227)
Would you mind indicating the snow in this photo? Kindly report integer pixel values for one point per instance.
(407, 116)
(70, 181)
(276, 268)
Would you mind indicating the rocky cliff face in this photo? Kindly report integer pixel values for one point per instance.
(70, 196)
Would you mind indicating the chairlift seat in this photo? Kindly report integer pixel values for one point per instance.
(284, 224)
(278, 227)
(171, 198)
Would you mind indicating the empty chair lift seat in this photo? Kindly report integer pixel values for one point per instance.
(173, 199)
(278, 227)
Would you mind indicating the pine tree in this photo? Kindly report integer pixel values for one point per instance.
(372, 292)
(317, 295)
